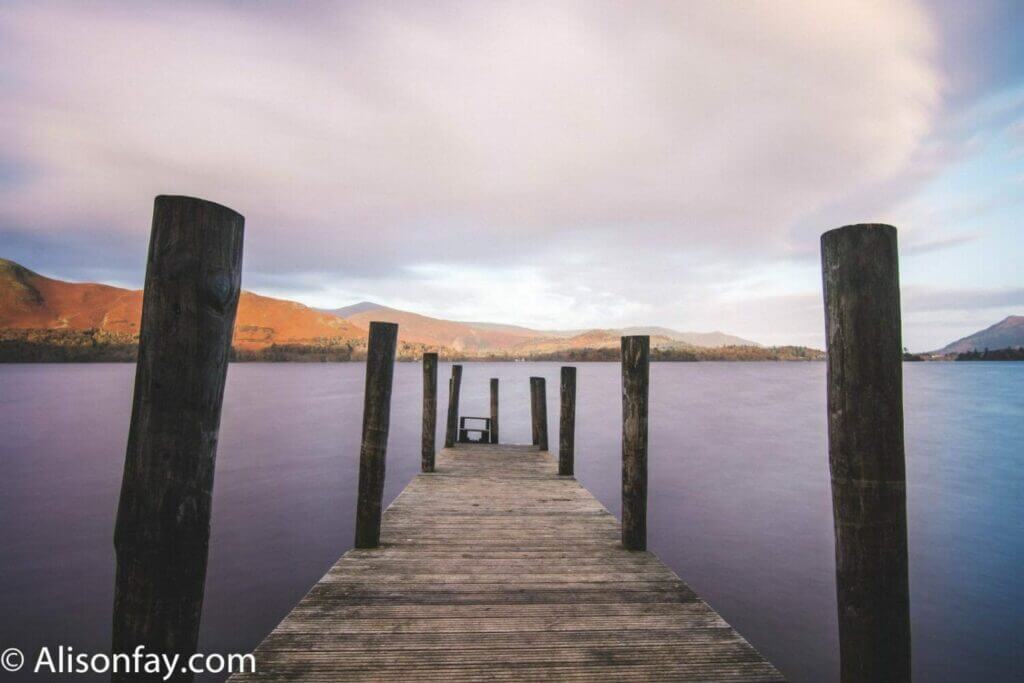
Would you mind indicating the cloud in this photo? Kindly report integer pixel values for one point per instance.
(938, 244)
(554, 164)
(928, 299)
(392, 135)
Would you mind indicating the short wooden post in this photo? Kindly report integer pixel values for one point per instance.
(494, 410)
(635, 386)
(452, 429)
(534, 419)
(429, 412)
(542, 414)
(865, 428)
(567, 423)
(193, 281)
(380, 369)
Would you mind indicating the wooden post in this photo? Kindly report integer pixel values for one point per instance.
(567, 423)
(429, 412)
(542, 414)
(494, 410)
(635, 385)
(865, 429)
(452, 429)
(161, 538)
(380, 369)
(533, 410)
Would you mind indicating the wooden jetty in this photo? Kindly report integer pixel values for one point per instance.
(494, 567)
(494, 563)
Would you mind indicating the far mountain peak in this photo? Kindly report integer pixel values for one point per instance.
(346, 311)
(1005, 334)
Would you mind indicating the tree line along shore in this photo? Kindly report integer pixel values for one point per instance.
(99, 346)
(83, 346)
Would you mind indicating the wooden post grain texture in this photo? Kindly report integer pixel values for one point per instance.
(452, 428)
(542, 414)
(193, 282)
(429, 412)
(380, 370)
(866, 454)
(494, 410)
(567, 423)
(635, 387)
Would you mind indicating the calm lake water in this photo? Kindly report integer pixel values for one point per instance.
(739, 497)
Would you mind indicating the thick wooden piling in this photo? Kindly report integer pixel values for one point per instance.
(193, 281)
(533, 411)
(540, 412)
(452, 426)
(866, 456)
(635, 385)
(380, 369)
(494, 410)
(567, 423)
(429, 412)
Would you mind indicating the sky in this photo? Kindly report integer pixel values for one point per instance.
(550, 164)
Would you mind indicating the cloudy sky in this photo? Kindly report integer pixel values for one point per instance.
(554, 164)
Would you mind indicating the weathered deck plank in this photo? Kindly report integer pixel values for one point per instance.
(495, 568)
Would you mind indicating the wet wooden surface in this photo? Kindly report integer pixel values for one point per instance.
(494, 568)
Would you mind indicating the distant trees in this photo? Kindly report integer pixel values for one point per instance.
(908, 356)
(66, 346)
(99, 346)
(1013, 353)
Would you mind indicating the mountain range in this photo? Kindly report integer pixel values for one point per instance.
(1005, 334)
(29, 301)
(33, 302)
(35, 309)
(477, 337)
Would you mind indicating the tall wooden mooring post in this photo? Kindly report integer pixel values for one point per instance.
(162, 534)
(539, 412)
(635, 387)
(860, 267)
(567, 423)
(429, 435)
(494, 410)
(380, 370)
(452, 425)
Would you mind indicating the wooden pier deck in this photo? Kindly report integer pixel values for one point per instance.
(495, 568)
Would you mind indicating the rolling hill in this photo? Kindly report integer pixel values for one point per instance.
(488, 337)
(414, 328)
(29, 301)
(43, 318)
(708, 340)
(1005, 334)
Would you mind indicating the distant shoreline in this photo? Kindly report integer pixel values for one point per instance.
(59, 346)
(95, 346)
(37, 359)
(63, 346)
